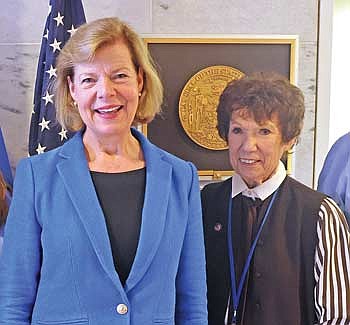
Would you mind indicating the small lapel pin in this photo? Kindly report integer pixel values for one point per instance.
(218, 226)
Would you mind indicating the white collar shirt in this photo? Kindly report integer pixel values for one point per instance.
(261, 191)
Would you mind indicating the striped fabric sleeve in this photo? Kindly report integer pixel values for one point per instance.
(332, 266)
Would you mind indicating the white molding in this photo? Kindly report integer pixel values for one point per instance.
(323, 86)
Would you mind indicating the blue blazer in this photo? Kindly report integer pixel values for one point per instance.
(1, 237)
(334, 179)
(57, 265)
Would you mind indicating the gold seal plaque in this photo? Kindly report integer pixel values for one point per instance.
(198, 102)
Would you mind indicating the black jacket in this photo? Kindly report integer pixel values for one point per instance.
(280, 280)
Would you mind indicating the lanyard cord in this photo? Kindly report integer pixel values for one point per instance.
(236, 294)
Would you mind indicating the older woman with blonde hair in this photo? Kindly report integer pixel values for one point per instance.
(106, 229)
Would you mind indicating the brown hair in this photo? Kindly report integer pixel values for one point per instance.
(82, 47)
(263, 95)
(3, 203)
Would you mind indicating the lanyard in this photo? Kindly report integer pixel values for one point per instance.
(236, 294)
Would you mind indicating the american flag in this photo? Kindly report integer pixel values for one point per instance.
(63, 18)
(4, 162)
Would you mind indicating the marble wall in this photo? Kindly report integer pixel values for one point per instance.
(22, 23)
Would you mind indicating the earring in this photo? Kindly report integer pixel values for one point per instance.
(75, 104)
(140, 94)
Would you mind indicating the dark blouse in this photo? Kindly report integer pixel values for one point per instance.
(121, 197)
(245, 224)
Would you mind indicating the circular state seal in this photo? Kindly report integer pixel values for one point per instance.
(198, 102)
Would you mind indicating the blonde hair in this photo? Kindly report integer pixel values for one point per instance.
(82, 47)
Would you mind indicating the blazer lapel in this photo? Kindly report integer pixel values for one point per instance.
(75, 174)
(158, 186)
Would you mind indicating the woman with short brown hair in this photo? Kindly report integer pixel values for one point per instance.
(277, 251)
